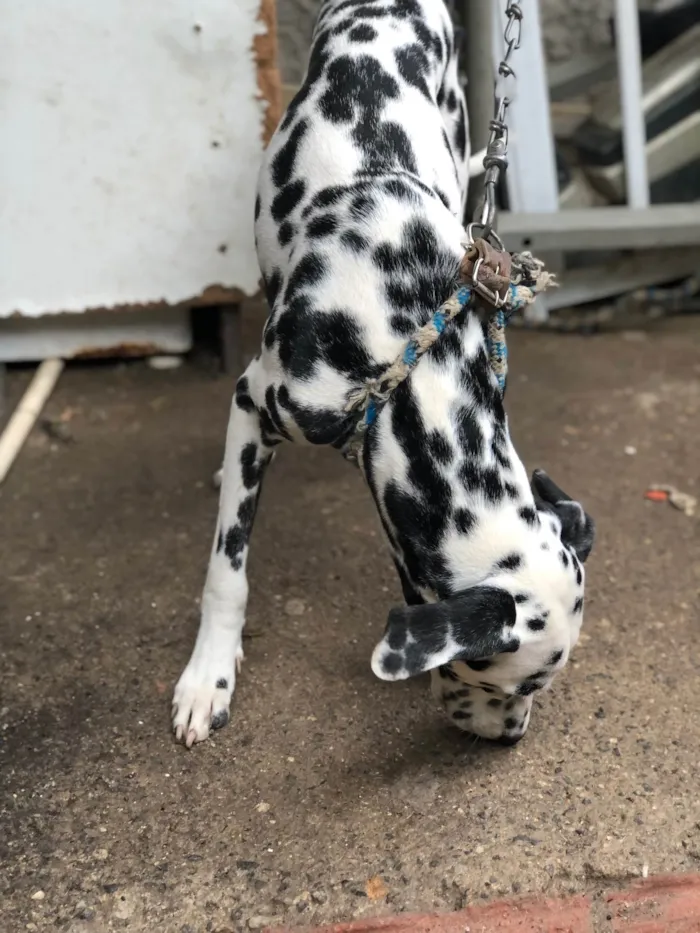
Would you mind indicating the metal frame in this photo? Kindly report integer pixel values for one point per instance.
(662, 226)
(536, 222)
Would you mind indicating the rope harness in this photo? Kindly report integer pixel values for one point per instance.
(501, 281)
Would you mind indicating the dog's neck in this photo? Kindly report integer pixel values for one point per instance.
(443, 471)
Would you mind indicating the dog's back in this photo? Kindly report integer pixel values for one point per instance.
(358, 217)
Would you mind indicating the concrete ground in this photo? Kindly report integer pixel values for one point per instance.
(332, 795)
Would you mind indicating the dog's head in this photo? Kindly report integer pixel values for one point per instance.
(493, 645)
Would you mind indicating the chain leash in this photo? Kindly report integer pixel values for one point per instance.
(496, 158)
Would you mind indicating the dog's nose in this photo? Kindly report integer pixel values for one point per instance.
(509, 739)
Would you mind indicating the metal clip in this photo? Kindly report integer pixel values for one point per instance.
(488, 294)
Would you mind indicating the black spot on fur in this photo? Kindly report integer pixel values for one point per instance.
(328, 196)
(243, 399)
(392, 663)
(353, 85)
(273, 283)
(528, 514)
(564, 558)
(555, 658)
(257, 206)
(362, 33)
(521, 598)
(309, 271)
(440, 447)
(250, 469)
(222, 684)
(510, 722)
(464, 521)
(401, 324)
(461, 714)
(285, 233)
(495, 702)
(413, 65)
(536, 624)
(400, 189)
(419, 274)
(318, 425)
(276, 424)
(354, 241)
(287, 199)
(284, 162)
(237, 536)
(420, 512)
(362, 207)
(511, 563)
(322, 226)
(219, 542)
(470, 435)
(578, 605)
(220, 719)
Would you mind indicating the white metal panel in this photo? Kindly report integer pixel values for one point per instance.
(132, 135)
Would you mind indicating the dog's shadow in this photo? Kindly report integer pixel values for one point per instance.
(427, 746)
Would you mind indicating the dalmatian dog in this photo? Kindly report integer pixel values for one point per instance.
(359, 235)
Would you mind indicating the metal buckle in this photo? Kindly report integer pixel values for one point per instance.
(492, 297)
(490, 235)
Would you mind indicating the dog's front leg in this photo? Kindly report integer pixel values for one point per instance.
(203, 693)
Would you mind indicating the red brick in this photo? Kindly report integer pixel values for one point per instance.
(529, 915)
(662, 904)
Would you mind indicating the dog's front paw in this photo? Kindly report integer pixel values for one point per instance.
(202, 698)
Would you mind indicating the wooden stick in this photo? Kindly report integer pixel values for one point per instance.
(25, 415)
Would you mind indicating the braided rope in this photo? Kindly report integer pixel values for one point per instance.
(528, 279)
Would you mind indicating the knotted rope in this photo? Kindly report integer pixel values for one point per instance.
(503, 282)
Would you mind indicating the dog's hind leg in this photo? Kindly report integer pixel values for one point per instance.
(203, 693)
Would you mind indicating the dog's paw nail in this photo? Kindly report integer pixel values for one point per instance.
(191, 738)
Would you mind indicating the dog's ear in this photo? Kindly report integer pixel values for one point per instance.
(474, 624)
(577, 528)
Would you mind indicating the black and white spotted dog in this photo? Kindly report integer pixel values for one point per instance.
(359, 237)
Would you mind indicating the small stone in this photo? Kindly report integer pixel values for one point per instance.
(295, 607)
(260, 920)
(630, 450)
(102, 854)
(38, 896)
(263, 807)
